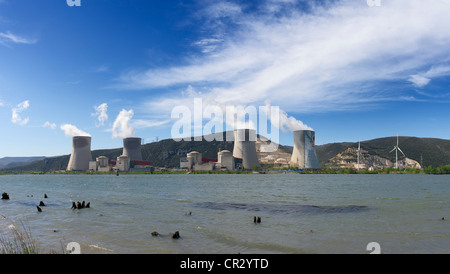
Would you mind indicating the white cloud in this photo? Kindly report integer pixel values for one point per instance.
(122, 127)
(16, 118)
(71, 130)
(311, 62)
(221, 9)
(421, 80)
(100, 113)
(8, 37)
(49, 125)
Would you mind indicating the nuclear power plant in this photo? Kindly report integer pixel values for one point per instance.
(81, 153)
(244, 155)
(245, 147)
(130, 160)
(132, 148)
(304, 155)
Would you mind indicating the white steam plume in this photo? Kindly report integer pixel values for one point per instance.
(287, 123)
(100, 113)
(71, 130)
(121, 127)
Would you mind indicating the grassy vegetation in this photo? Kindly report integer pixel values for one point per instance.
(20, 241)
(437, 170)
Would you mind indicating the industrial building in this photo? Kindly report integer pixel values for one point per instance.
(195, 162)
(132, 148)
(245, 148)
(225, 160)
(101, 164)
(123, 163)
(304, 154)
(81, 154)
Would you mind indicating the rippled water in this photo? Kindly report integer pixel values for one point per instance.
(215, 213)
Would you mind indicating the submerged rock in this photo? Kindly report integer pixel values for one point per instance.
(176, 235)
(5, 196)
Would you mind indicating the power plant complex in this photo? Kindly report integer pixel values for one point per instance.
(130, 160)
(243, 157)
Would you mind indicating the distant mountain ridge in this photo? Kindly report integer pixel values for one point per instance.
(167, 153)
(9, 162)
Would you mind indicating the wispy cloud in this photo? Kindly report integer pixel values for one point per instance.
(142, 123)
(326, 59)
(8, 38)
(16, 118)
(49, 125)
(422, 79)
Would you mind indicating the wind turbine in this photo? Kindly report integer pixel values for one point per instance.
(396, 148)
(359, 151)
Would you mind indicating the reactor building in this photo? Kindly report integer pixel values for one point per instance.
(304, 155)
(245, 148)
(81, 154)
(195, 162)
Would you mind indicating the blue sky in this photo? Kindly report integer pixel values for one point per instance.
(115, 68)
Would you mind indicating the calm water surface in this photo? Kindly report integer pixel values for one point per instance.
(300, 213)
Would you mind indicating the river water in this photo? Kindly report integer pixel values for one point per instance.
(214, 213)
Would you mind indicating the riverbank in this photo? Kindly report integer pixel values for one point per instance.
(426, 170)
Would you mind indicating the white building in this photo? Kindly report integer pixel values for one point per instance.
(123, 163)
(101, 164)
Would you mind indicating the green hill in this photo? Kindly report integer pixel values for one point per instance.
(426, 151)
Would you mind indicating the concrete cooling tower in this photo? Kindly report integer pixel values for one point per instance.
(81, 153)
(132, 148)
(245, 147)
(304, 155)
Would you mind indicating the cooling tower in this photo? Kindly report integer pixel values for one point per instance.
(304, 155)
(132, 148)
(81, 153)
(245, 147)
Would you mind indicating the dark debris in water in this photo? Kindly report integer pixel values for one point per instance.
(283, 208)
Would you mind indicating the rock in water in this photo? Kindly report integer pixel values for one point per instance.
(176, 235)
